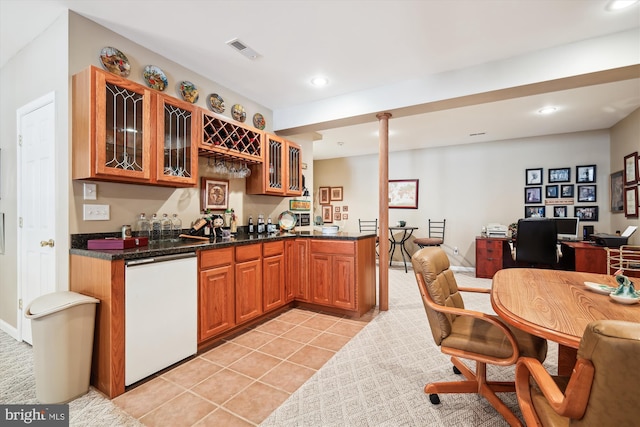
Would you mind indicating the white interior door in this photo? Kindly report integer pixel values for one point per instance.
(36, 205)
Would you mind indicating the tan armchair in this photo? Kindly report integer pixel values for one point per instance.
(469, 334)
(602, 389)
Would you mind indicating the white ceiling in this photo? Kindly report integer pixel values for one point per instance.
(360, 45)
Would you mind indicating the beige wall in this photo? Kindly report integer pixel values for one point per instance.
(625, 139)
(469, 185)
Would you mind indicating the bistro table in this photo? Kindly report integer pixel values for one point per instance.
(406, 234)
(556, 305)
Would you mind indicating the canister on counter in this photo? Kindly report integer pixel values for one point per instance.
(126, 231)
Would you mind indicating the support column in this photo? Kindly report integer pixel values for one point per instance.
(383, 197)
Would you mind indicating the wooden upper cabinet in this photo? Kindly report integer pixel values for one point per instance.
(178, 130)
(124, 131)
(280, 174)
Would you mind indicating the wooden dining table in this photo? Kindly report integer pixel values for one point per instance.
(556, 305)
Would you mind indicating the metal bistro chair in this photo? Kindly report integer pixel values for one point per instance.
(370, 225)
(436, 234)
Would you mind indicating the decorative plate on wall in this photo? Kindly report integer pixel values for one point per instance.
(115, 61)
(216, 103)
(155, 77)
(238, 113)
(259, 121)
(189, 91)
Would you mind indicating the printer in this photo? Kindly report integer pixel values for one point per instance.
(613, 240)
(497, 230)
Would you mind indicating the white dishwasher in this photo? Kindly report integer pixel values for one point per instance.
(161, 306)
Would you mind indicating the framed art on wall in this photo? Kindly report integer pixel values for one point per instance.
(324, 195)
(616, 195)
(631, 169)
(586, 193)
(560, 211)
(560, 175)
(586, 173)
(586, 213)
(336, 193)
(403, 193)
(631, 202)
(534, 211)
(533, 194)
(566, 190)
(214, 194)
(551, 191)
(327, 213)
(533, 176)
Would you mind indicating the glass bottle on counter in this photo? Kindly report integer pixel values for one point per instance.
(143, 226)
(156, 228)
(270, 227)
(165, 228)
(176, 227)
(250, 224)
(260, 224)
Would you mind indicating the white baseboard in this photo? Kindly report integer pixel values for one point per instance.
(462, 269)
(13, 332)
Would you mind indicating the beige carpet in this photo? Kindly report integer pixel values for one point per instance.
(377, 379)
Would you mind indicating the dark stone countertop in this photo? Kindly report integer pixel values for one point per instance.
(79, 244)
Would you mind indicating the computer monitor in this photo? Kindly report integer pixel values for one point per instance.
(567, 228)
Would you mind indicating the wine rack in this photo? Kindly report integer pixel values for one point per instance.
(224, 139)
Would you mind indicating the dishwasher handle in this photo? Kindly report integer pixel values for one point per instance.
(162, 258)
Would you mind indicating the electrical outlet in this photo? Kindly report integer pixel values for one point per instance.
(95, 212)
(90, 191)
(455, 251)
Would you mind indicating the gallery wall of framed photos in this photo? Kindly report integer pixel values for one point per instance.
(562, 192)
(627, 184)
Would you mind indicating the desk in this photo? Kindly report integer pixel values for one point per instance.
(585, 256)
(555, 305)
(406, 233)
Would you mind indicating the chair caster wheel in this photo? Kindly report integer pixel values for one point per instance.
(456, 370)
(434, 399)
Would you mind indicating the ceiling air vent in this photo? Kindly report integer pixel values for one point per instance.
(243, 48)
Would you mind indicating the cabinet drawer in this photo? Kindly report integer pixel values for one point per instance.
(215, 258)
(332, 247)
(248, 252)
(273, 248)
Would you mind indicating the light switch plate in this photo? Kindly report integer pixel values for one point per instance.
(95, 212)
(90, 191)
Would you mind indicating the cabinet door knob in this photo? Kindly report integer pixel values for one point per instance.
(47, 243)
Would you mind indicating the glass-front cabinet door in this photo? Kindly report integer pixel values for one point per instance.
(178, 130)
(123, 132)
(294, 169)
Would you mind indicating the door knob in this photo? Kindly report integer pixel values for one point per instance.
(47, 243)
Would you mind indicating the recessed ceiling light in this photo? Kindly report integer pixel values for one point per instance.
(547, 110)
(319, 81)
(620, 4)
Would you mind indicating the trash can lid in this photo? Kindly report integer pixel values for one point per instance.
(56, 301)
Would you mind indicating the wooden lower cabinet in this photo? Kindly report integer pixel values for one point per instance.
(488, 256)
(248, 282)
(216, 293)
(273, 275)
(297, 265)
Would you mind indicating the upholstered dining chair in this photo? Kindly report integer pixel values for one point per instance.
(370, 225)
(468, 334)
(536, 243)
(436, 234)
(602, 388)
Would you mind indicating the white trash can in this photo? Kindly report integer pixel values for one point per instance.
(62, 325)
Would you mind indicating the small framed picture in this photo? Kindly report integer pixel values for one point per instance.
(299, 205)
(327, 213)
(559, 211)
(533, 211)
(336, 193)
(586, 173)
(533, 194)
(631, 202)
(337, 216)
(345, 216)
(345, 208)
(551, 191)
(324, 195)
(560, 175)
(616, 193)
(403, 193)
(586, 213)
(566, 190)
(631, 171)
(586, 193)
(337, 209)
(534, 176)
(214, 194)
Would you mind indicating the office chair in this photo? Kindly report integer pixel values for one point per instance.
(370, 225)
(536, 243)
(436, 234)
(601, 388)
(468, 334)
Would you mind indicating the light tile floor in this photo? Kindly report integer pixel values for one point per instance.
(241, 381)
